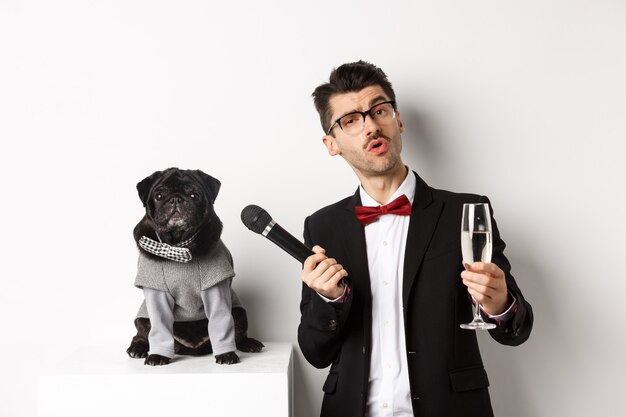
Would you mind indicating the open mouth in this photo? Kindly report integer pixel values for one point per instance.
(377, 146)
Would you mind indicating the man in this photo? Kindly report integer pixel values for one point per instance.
(384, 309)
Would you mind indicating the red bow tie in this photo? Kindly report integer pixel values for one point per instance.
(400, 206)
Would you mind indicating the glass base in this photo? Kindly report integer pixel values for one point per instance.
(478, 325)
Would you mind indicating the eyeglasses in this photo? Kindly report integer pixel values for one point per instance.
(354, 122)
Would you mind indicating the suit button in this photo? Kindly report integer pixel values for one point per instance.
(332, 325)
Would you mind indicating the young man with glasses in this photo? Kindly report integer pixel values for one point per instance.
(383, 310)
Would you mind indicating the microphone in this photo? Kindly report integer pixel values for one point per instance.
(259, 221)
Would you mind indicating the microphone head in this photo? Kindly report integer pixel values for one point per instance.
(255, 218)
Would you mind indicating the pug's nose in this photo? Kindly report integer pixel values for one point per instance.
(176, 199)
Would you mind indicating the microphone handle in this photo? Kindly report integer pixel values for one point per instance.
(288, 243)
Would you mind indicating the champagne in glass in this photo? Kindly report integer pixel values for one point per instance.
(476, 246)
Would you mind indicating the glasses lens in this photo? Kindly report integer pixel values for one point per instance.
(352, 122)
(382, 112)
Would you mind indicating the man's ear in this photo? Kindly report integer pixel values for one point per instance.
(331, 144)
(400, 124)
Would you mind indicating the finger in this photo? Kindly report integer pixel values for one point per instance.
(311, 269)
(487, 268)
(334, 280)
(485, 290)
(490, 298)
(485, 279)
(482, 279)
(327, 282)
(338, 276)
(315, 276)
(313, 261)
(326, 269)
(480, 298)
(318, 249)
(490, 303)
(490, 286)
(479, 288)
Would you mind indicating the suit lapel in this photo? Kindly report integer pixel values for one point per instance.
(353, 240)
(423, 221)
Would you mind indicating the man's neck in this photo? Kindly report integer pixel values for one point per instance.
(382, 187)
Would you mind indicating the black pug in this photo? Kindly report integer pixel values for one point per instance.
(185, 272)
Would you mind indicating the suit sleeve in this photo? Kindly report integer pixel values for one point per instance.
(321, 329)
(515, 330)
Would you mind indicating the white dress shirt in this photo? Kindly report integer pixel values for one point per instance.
(389, 392)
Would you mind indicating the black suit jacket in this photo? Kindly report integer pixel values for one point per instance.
(446, 373)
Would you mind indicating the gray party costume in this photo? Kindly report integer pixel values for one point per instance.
(195, 290)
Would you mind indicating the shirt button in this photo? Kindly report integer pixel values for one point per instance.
(385, 405)
(384, 243)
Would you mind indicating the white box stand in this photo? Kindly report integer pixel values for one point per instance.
(104, 381)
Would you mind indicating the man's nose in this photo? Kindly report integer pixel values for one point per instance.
(370, 126)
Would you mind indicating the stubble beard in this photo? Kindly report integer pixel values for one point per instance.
(380, 165)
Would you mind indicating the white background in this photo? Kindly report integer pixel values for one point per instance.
(524, 101)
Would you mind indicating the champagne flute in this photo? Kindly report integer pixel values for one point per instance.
(476, 246)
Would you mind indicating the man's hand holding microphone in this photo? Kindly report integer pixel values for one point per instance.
(324, 275)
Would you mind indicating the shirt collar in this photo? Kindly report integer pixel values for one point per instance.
(407, 188)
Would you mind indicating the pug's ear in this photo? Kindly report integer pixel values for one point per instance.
(145, 185)
(211, 184)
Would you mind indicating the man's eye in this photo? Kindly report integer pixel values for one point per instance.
(349, 120)
(381, 110)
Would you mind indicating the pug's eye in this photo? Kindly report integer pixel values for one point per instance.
(159, 196)
(193, 195)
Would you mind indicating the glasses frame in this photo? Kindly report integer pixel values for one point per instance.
(363, 114)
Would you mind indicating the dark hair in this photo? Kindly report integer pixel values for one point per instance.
(347, 78)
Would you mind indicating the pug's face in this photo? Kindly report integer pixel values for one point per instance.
(178, 205)
(178, 202)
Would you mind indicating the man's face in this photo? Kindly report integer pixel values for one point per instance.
(375, 151)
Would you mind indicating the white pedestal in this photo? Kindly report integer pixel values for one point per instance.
(104, 381)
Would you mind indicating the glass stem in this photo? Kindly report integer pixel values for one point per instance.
(477, 316)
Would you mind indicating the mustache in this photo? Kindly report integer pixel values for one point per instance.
(376, 136)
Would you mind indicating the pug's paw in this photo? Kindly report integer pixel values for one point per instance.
(157, 360)
(227, 358)
(138, 350)
(250, 345)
